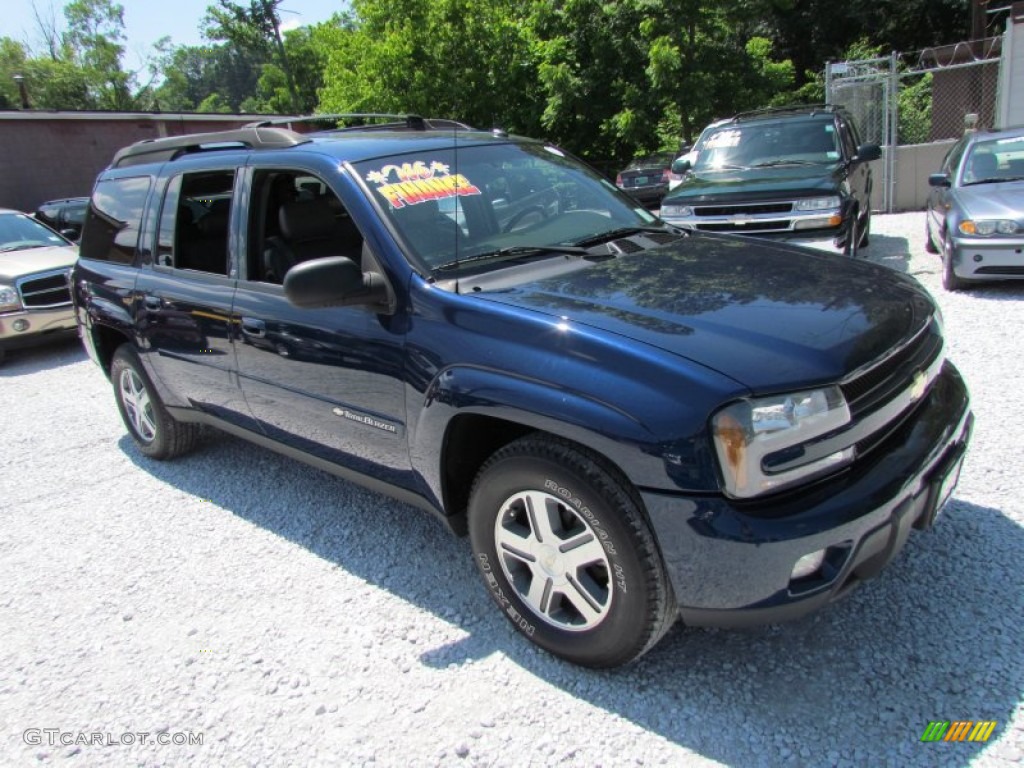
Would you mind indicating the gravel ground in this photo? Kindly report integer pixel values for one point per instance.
(288, 618)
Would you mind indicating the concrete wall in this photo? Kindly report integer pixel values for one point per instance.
(45, 155)
(914, 164)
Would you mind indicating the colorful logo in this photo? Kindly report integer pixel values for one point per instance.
(412, 183)
(958, 730)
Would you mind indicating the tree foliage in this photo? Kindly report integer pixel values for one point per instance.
(604, 78)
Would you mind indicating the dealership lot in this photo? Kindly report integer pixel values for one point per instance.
(282, 616)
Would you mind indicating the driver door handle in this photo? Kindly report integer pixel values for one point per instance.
(252, 326)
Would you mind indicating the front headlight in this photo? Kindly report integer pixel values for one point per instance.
(677, 211)
(768, 443)
(817, 203)
(9, 299)
(986, 227)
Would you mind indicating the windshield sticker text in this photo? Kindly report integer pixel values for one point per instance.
(412, 183)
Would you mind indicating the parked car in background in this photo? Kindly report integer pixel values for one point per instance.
(633, 423)
(976, 209)
(645, 179)
(793, 173)
(35, 301)
(65, 215)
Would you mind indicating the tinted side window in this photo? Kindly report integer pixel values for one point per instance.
(295, 217)
(953, 157)
(75, 214)
(848, 139)
(113, 222)
(194, 222)
(48, 214)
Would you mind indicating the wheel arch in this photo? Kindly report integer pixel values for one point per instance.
(489, 412)
(105, 341)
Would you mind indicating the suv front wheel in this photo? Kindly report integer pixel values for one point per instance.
(566, 553)
(156, 433)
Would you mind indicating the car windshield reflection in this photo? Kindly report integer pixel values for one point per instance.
(490, 202)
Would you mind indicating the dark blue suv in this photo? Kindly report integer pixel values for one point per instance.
(633, 423)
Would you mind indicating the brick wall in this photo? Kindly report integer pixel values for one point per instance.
(49, 155)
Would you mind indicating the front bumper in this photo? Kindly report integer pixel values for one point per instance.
(38, 323)
(988, 258)
(826, 229)
(731, 564)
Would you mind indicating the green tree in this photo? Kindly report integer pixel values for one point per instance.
(51, 83)
(465, 59)
(256, 31)
(95, 37)
(811, 32)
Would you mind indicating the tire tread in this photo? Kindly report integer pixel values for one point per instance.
(610, 482)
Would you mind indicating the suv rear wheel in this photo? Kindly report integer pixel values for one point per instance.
(567, 555)
(154, 431)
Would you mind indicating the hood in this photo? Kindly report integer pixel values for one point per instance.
(765, 183)
(1004, 200)
(771, 317)
(15, 264)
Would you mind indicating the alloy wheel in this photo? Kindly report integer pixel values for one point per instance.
(138, 405)
(554, 560)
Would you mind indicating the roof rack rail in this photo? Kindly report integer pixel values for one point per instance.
(813, 108)
(408, 122)
(253, 136)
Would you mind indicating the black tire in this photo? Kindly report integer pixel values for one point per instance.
(154, 431)
(950, 281)
(865, 229)
(616, 568)
(929, 244)
(852, 239)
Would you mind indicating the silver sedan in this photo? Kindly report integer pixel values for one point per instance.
(976, 209)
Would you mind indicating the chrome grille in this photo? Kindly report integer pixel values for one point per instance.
(48, 289)
(894, 374)
(748, 209)
(745, 226)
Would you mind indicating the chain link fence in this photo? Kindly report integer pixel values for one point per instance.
(926, 98)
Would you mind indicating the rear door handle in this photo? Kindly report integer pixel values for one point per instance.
(254, 327)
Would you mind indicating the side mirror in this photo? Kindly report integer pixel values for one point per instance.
(939, 180)
(681, 165)
(335, 281)
(867, 152)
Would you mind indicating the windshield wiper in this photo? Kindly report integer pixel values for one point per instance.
(992, 181)
(21, 247)
(612, 234)
(510, 251)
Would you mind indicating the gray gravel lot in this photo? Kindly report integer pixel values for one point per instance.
(289, 618)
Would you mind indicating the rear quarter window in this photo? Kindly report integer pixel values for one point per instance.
(114, 219)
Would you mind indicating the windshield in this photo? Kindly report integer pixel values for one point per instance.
(994, 161)
(18, 231)
(769, 143)
(496, 200)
